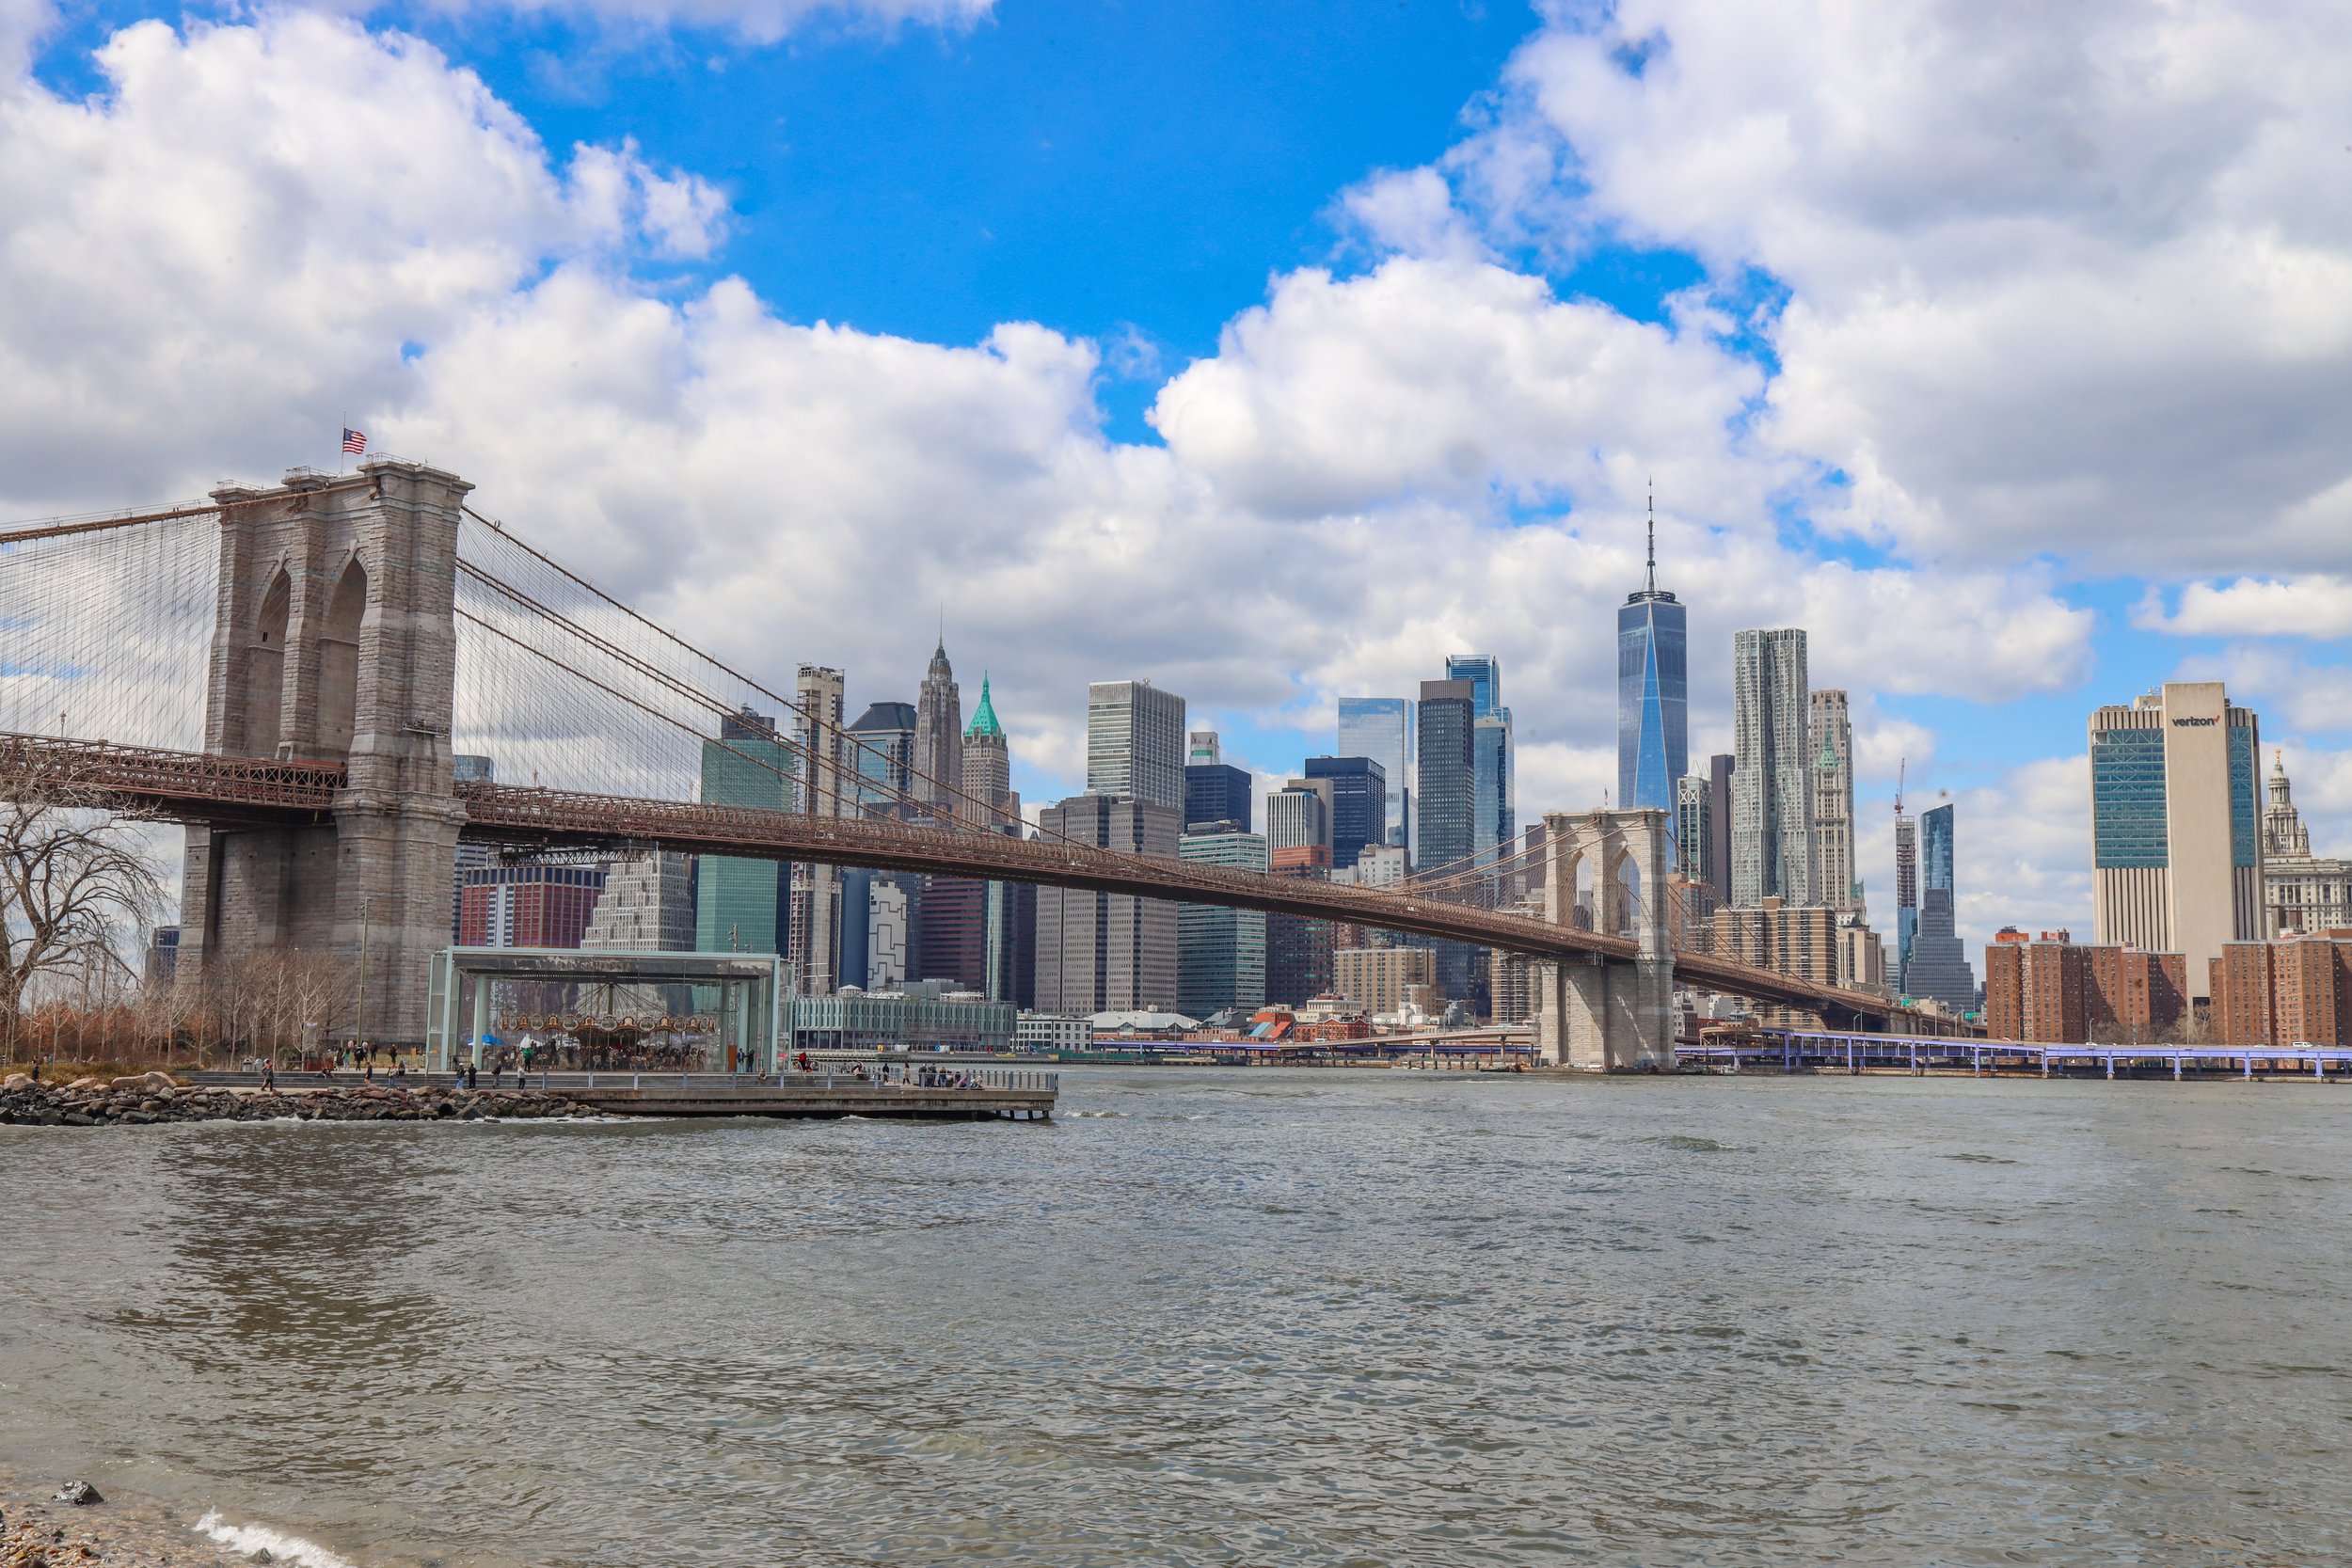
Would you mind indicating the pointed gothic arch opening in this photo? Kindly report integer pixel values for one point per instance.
(265, 668)
(1585, 881)
(338, 659)
(1625, 897)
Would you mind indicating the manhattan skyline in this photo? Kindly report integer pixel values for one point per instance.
(781, 367)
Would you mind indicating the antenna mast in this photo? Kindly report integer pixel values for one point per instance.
(1653, 534)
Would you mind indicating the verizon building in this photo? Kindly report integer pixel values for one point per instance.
(2176, 825)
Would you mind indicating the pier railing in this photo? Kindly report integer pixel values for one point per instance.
(1804, 1050)
(887, 1076)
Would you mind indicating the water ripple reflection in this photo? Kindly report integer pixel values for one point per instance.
(1251, 1318)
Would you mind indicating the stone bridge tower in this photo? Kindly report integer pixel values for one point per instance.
(334, 638)
(1609, 1017)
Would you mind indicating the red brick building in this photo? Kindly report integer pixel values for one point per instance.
(951, 931)
(528, 906)
(2058, 991)
(2294, 992)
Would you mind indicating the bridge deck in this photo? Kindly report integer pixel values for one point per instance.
(192, 787)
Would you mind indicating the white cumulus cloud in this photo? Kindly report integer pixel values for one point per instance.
(2315, 605)
(2076, 282)
(1451, 378)
(212, 261)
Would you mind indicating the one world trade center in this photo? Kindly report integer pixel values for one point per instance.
(1653, 746)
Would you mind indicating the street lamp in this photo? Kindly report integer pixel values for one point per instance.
(359, 1009)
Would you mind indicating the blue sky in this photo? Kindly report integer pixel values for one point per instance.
(1364, 329)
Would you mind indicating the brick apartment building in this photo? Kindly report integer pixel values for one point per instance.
(2294, 991)
(2058, 992)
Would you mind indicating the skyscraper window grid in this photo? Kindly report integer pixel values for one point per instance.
(1446, 767)
(1360, 803)
(1831, 740)
(1135, 743)
(1772, 778)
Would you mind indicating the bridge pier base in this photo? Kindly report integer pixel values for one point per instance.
(1607, 1018)
(1600, 1015)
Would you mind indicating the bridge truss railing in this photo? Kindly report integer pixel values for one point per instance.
(168, 783)
(194, 785)
(559, 818)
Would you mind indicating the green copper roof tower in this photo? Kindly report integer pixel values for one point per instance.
(984, 716)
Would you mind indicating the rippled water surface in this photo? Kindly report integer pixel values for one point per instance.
(1239, 1317)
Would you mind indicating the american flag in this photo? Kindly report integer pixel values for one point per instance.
(353, 440)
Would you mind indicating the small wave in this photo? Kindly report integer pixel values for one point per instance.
(1982, 1159)
(1102, 1112)
(1704, 1146)
(244, 1539)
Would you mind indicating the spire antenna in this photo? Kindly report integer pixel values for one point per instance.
(1653, 534)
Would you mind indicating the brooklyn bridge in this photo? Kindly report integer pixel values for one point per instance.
(288, 672)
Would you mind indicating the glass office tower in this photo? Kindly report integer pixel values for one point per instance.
(744, 905)
(1493, 820)
(1360, 794)
(1653, 703)
(1446, 769)
(1938, 965)
(1381, 728)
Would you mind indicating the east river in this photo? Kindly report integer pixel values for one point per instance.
(1240, 1317)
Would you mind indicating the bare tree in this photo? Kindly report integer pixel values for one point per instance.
(275, 1002)
(74, 879)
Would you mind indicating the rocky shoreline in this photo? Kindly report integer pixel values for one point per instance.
(41, 1532)
(152, 1096)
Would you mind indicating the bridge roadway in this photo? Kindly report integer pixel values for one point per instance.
(195, 786)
